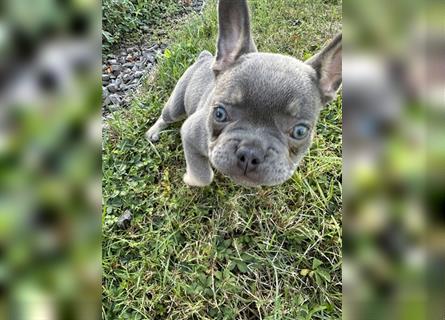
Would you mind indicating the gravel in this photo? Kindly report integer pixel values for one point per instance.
(124, 70)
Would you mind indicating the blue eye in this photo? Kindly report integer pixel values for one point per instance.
(300, 131)
(220, 114)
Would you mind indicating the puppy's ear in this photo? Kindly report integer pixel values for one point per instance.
(234, 35)
(328, 64)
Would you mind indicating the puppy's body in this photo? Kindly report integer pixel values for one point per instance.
(190, 100)
(251, 115)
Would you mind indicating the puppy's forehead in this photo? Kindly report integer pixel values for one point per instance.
(270, 81)
(229, 91)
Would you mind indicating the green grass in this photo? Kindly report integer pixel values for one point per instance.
(224, 251)
(123, 20)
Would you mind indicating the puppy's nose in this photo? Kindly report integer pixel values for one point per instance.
(249, 158)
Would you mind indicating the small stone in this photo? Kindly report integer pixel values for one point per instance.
(153, 47)
(138, 74)
(105, 93)
(113, 87)
(114, 107)
(105, 77)
(116, 68)
(128, 77)
(112, 61)
(149, 57)
(107, 101)
(296, 22)
(129, 57)
(114, 99)
(127, 65)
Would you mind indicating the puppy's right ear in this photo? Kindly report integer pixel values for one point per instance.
(234, 35)
(328, 65)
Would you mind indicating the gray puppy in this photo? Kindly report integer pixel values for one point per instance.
(250, 115)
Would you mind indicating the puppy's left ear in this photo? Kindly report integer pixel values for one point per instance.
(234, 34)
(328, 64)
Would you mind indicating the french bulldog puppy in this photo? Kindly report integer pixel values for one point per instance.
(250, 115)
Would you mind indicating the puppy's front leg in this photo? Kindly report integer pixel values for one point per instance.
(199, 173)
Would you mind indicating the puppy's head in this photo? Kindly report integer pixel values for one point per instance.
(264, 106)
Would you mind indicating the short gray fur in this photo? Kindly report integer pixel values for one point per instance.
(262, 98)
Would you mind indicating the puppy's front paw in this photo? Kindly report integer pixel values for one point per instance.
(194, 182)
(152, 134)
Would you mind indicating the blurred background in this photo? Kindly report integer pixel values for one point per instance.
(394, 159)
(50, 191)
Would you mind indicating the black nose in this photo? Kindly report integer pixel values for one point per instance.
(249, 158)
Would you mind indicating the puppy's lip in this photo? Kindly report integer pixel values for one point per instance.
(250, 179)
(245, 181)
(256, 181)
(249, 183)
(240, 178)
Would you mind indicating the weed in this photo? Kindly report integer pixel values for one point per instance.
(125, 19)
